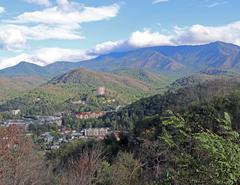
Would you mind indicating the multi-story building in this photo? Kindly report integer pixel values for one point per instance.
(95, 132)
(89, 115)
(101, 91)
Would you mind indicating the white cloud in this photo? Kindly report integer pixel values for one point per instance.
(147, 39)
(195, 34)
(50, 55)
(11, 38)
(15, 36)
(199, 34)
(46, 56)
(2, 9)
(67, 5)
(11, 61)
(137, 39)
(68, 15)
(60, 22)
(39, 2)
(43, 32)
(109, 46)
(159, 1)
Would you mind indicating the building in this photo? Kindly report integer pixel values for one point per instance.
(47, 137)
(79, 102)
(101, 91)
(17, 123)
(44, 120)
(95, 132)
(76, 135)
(15, 112)
(89, 115)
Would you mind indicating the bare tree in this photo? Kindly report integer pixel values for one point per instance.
(19, 164)
(83, 171)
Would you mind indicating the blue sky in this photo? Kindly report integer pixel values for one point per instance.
(45, 31)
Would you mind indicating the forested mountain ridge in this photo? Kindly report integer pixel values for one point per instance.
(188, 58)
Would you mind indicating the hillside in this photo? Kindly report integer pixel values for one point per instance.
(142, 75)
(82, 76)
(23, 69)
(175, 99)
(124, 86)
(12, 87)
(49, 71)
(174, 59)
(204, 76)
(59, 93)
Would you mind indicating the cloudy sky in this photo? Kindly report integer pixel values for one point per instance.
(45, 31)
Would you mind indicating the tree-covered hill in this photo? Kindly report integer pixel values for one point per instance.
(59, 93)
(146, 76)
(204, 76)
(12, 87)
(176, 100)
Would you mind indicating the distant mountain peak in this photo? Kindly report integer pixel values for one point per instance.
(221, 43)
(24, 63)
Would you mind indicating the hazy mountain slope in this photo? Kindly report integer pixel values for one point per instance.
(215, 55)
(141, 58)
(172, 58)
(60, 68)
(12, 87)
(175, 59)
(23, 69)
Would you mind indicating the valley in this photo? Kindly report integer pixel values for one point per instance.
(149, 108)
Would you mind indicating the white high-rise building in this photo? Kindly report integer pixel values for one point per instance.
(101, 91)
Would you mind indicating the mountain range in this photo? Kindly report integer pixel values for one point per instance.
(172, 59)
